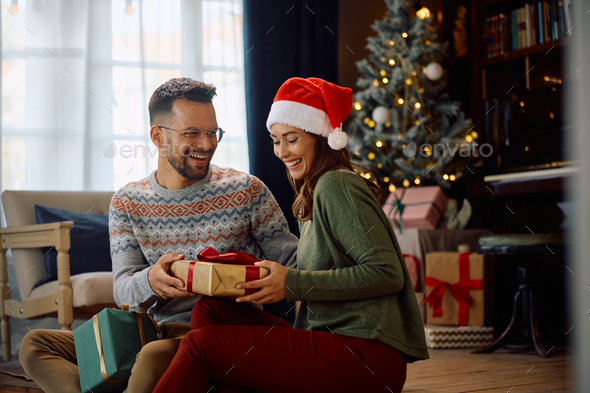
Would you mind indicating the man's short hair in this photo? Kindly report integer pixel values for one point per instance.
(163, 99)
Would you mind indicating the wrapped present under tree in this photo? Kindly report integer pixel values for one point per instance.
(458, 289)
(446, 337)
(417, 207)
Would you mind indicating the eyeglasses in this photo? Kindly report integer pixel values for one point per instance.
(196, 134)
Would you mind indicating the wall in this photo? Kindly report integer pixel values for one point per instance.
(354, 26)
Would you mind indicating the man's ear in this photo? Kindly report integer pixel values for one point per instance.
(157, 136)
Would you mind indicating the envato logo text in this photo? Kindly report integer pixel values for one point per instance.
(145, 151)
(465, 149)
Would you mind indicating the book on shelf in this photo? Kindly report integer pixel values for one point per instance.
(533, 24)
(498, 122)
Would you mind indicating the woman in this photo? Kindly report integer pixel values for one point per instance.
(359, 322)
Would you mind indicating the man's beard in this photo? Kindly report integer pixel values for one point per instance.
(179, 162)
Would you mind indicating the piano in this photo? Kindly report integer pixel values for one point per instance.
(522, 200)
(546, 178)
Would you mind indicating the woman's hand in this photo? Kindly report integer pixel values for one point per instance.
(272, 287)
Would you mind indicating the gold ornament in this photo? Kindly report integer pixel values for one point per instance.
(366, 120)
(379, 165)
(408, 81)
(371, 156)
(386, 179)
(371, 123)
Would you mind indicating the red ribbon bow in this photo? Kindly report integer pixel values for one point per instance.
(459, 290)
(209, 254)
(231, 256)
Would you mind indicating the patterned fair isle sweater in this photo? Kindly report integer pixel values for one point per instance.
(225, 210)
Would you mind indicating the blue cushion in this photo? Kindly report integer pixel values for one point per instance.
(89, 242)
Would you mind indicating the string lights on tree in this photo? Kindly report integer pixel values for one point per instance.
(401, 113)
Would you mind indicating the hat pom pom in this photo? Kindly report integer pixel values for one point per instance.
(338, 139)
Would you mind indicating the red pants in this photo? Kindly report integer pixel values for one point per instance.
(236, 347)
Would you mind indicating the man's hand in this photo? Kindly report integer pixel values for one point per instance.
(162, 283)
(272, 287)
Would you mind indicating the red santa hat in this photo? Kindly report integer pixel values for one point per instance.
(315, 106)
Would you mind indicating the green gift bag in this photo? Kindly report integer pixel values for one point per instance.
(106, 347)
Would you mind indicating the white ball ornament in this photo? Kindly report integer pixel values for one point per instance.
(434, 71)
(380, 115)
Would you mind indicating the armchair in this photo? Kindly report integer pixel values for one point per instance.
(81, 295)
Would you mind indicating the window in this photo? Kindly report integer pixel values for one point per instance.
(77, 77)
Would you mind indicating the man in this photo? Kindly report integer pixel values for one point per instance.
(183, 207)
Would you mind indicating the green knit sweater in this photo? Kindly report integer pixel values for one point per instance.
(350, 276)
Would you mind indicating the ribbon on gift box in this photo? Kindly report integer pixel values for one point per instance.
(231, 256)
(398, 208)
(459, 290)
(138, 315)
(209, 254)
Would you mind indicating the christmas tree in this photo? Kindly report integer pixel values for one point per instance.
(405, 130)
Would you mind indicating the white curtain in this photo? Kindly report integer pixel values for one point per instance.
(78, 74)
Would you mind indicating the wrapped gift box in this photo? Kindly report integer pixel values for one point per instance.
(445, 337)
(207, 277)
(413, 266)
(106, 347)
(420, 207)
(458, 289)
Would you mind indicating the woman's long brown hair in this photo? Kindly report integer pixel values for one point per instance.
(327, 159)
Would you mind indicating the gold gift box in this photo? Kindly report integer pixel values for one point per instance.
(216, 279)
(444, 266)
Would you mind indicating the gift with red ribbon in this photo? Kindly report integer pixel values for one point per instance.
(456, 289)
(216, 274)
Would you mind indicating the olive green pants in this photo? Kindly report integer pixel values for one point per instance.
(49, 358)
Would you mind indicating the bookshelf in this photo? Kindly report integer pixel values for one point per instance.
(526, 82)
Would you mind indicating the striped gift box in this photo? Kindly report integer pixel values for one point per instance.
(446, 337)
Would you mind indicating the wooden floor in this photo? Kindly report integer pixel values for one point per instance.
(456, 370)
(447, 371)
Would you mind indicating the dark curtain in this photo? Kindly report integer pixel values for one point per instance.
(283, 40)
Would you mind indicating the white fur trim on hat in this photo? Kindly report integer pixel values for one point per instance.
(299, 115)
(338, 139)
